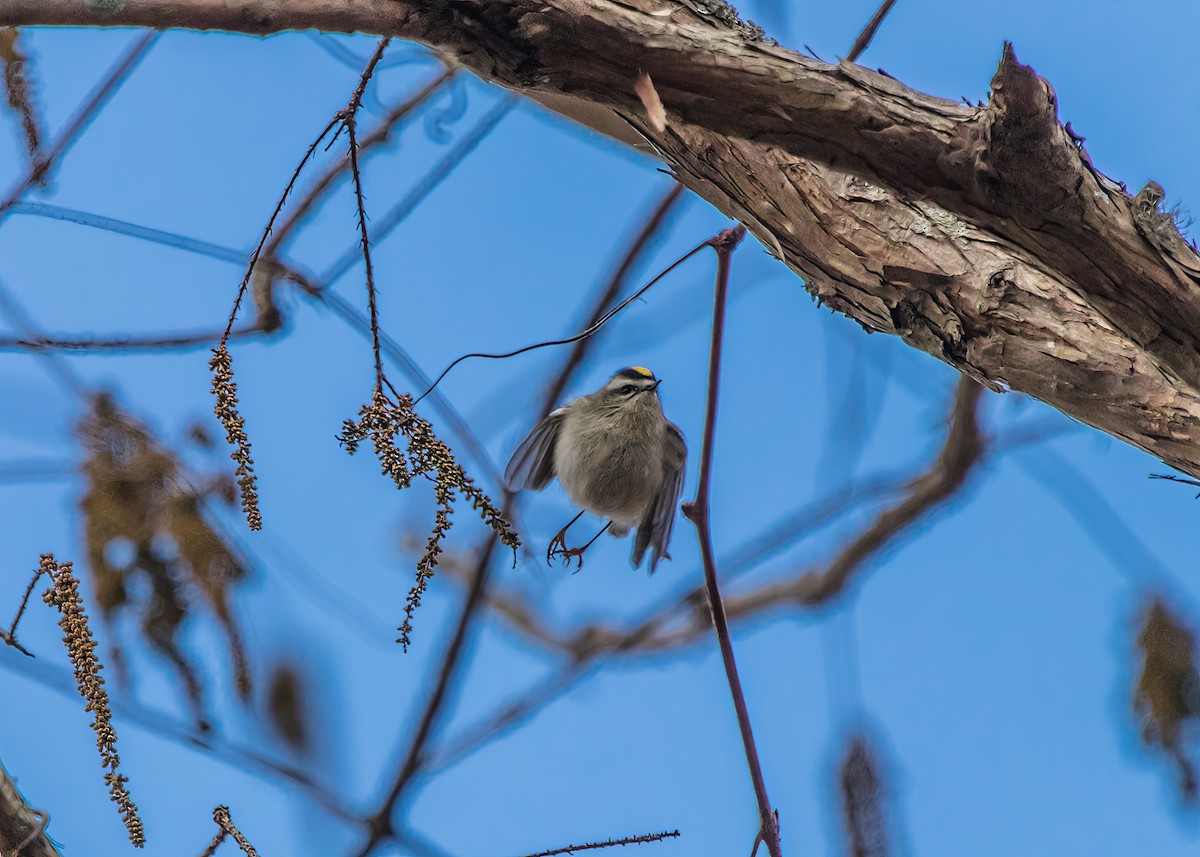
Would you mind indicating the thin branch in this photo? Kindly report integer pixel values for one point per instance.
(132, 230)
(610, 843)
(350, 123)
(697, 511)
(344, 117)
(868, 32)
(512, 713)
(381, 134)
(222, 818)
(425, 186)
(9, 637)
(241, 292)
(112, 345)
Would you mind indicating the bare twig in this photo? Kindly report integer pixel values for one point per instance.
(133, 230)
(868, 32)
(1086, 503)
(610, 843)
(429, 182)
(350, 123)
(116, 344)
(241, 292)
(379, 135)
(697, 511)
(222, 818)
(34, 470)
(10, 636)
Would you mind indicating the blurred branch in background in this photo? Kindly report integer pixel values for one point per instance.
(82, 117)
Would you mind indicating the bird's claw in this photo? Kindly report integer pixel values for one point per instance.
(558, 547)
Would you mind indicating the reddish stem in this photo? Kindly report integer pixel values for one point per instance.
(697, 512)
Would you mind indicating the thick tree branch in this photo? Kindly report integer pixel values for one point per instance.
(980, 235)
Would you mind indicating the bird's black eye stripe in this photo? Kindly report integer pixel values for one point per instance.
(628, 390)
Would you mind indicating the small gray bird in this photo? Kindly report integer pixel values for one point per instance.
(616, 456)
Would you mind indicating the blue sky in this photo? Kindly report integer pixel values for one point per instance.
(990, 654)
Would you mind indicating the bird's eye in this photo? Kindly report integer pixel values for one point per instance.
(628, 390)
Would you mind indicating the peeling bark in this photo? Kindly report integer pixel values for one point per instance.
(982, 236)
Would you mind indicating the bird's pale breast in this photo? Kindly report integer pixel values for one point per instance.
(607, 475)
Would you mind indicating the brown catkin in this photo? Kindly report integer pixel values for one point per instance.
(427, 455)
(81, 647)
(226, 409)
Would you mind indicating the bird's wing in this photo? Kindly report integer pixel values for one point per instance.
(654, 532)
(532, 465)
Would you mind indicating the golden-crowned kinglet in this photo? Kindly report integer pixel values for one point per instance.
(616, 456)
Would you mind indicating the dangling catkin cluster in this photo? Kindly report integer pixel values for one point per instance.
(225, 389)
(381, 421)
(81, 646)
